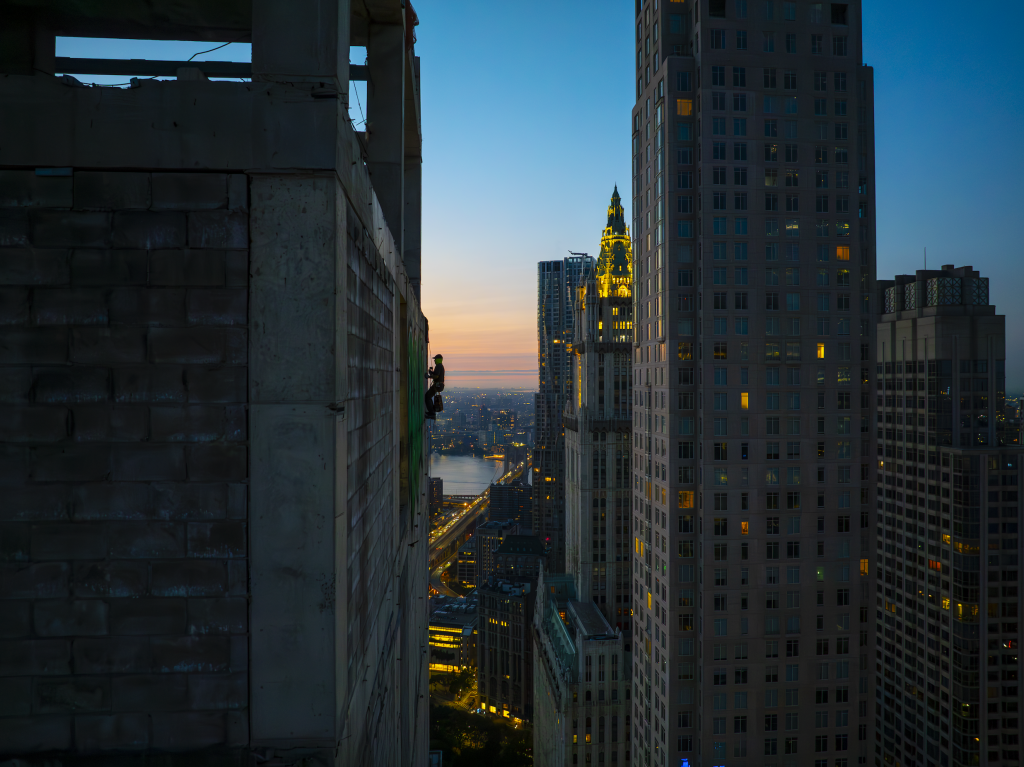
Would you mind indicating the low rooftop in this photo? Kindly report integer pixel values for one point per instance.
(590, 620)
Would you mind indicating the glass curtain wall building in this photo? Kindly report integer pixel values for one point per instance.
(556, 290)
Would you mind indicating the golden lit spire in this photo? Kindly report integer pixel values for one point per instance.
(615, 263)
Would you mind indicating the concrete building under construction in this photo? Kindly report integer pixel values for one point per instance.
(212, 358)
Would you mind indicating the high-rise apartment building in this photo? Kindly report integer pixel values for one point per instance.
(582, 673)
(753, 225)
(556, 289)
(511, 502)
(488, 537)
(505, 646)
(946, 568)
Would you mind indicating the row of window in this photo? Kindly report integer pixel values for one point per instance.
(720, 125)
(770, 79)
(773, 275)
(772, 476)
(786, 41)
(790, 178)
(772, 303)
(791, 250)
(773, 401)
(773, 525)
(790, 152)
(838, 12)
(685, 327)
(740, 201)
(823, 227)
(743, 102)
(772, 377)
(773, 353)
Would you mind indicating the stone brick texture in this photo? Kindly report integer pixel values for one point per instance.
(123, 462)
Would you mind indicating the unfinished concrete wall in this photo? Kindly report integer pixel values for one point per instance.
(123, 367)
(212, 457)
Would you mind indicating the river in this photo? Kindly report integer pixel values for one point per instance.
(464, 474)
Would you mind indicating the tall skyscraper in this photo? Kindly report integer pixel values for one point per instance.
(752, 144)
(946, 568)
(582, 673)
(598, 423)
(556, 287)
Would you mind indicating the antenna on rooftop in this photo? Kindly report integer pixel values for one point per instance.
(926, 258)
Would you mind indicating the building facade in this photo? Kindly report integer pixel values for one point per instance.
(436, 495)
(754, 311)
(209, 301)
(581, 681)
(505, 647)
(556, 289)
(489, 537)
(453, 634)
(465, 566)
(946, 566)
(511, 503)
(519, 556)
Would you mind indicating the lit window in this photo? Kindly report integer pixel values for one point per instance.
(684, 107)
(821, 351)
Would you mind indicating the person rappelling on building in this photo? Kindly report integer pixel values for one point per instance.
(433, 396)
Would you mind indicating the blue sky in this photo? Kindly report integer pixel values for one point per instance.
(526, 128)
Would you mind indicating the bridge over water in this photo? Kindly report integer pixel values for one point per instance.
(445, 542)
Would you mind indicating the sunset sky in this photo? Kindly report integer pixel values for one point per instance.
(526, 110)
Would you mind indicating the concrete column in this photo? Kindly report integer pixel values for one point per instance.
(301, 40)
(26, 44)
(298, 456)
(385, 96)
(413, 175)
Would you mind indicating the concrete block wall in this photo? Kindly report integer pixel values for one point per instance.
(123, 461)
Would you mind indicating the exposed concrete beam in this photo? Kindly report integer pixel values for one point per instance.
(380, 11)
(385, 95)
(149, 67)
(413, 174)
(27, 43)
(300, 40)
(200, 20)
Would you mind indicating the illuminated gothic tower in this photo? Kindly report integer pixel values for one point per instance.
(582, 665)
(598, 424)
